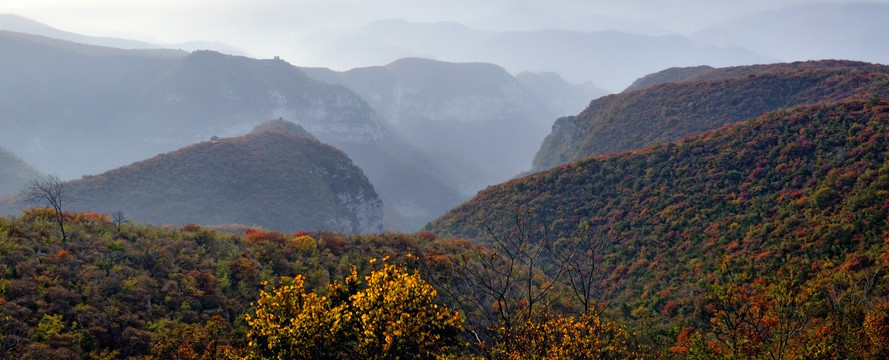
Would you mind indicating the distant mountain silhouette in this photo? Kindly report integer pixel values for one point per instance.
(15, 23)
(476, 111)
(611, 59)
(75, 109)
(14, 173)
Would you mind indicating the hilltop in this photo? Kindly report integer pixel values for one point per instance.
(269, 179)
(670, 111)
(697, 73)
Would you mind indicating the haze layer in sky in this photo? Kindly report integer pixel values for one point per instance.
(265, 28)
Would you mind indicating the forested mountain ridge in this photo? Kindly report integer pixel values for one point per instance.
(805, 188)
(795, 202)
(670, 111)
(14, 173)
(711, 73)
(269, 179)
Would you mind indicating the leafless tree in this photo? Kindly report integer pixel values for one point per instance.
(505, 286)
(583, 256)
(118, 219)
(49, 191)
(523, 274)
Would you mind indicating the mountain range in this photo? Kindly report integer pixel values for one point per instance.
(148, 101)
(610, 59)
(75, 109)
(476, 111)
(738, 210)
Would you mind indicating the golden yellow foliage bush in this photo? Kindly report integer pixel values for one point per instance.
(392, 317)
(550, 336)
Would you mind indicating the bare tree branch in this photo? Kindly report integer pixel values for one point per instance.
(49, 191)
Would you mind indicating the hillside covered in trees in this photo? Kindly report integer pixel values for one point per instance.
(795, 198)
(764, 239)
(122, 290)
(706, 101)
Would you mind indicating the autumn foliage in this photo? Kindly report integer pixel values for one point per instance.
(564, 337)
(392, 317)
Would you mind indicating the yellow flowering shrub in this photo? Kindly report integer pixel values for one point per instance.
(392, 317)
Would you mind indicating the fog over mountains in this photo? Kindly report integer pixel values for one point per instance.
(610, 44)
(610, 59)
(427, 134)
(432, 108)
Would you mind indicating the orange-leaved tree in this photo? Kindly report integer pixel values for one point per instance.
(392, 317)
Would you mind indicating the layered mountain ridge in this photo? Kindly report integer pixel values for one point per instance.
(475, 111)
(133, 104)
(671, 110)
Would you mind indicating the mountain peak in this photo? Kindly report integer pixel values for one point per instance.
(281, 125)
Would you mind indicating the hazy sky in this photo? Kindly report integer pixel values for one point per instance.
(265, 28)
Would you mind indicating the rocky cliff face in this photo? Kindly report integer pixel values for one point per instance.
(212, 93)
(367, 213)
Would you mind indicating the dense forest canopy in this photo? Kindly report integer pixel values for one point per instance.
(802, 191)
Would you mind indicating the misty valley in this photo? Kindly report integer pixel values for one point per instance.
(470, 200)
